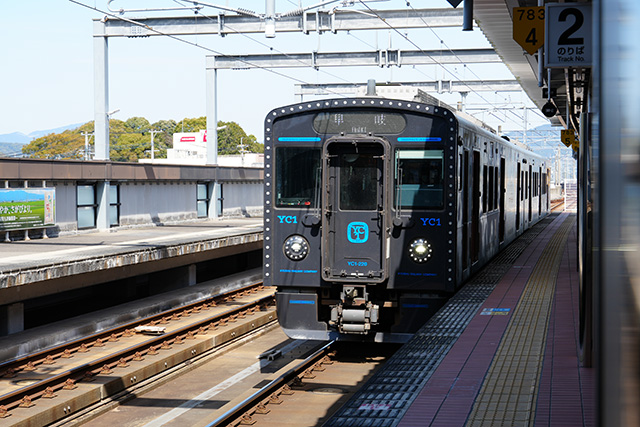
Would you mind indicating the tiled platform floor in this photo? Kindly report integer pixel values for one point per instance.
(520, 367)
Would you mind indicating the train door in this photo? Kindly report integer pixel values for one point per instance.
(529, 187)
(465, 210)
(518, 196)
(501, 195)
(355, 179)
(475, 209)
(540, 191)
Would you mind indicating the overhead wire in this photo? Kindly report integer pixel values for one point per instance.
(445, 69)
(271, 48)
(179, 39)
(292, 78)
(454, 54)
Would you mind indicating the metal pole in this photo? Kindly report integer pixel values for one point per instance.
(270, 19)
(101, 90)
(86, 144)
(467, 16)
(540, 60)
(212, 111)
(153, 132)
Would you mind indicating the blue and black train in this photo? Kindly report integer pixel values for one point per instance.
(377, 210)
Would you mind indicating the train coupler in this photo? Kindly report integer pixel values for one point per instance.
(355, 313)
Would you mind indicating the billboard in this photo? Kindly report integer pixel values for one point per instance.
(24, 208)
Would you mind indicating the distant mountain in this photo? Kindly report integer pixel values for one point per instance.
(15, 138)
(21, 138)
(39, 133)
(11, 149)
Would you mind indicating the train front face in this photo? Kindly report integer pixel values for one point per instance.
(359, 216)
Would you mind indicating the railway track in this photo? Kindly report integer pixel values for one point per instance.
(557, 205)
(53, 384)
(311, 389)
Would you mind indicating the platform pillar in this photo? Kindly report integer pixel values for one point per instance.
(102, 196)
(11, 318)
(101, 90)
(191, 275)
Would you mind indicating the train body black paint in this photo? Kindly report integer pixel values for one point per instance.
(377, 210)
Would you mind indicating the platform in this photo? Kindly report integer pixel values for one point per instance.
(31, 261)
(168, 255)
(503, 351)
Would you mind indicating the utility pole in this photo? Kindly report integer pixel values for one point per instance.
(86, 144)
(242, 147)
(153, 132)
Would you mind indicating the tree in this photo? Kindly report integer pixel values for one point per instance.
(191, 125)
(232, 136)
(167, 127)
(66, 145)
(130, 140)
(137, 125)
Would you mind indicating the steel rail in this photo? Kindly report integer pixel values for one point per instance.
(14, 366)
(272, 388)
(86, 372)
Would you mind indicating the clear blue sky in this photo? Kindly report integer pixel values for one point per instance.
(46, 66)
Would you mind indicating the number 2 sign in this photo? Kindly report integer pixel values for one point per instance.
(569, 36)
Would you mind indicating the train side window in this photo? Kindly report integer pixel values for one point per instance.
(491, 189)
(485, 199)
(419, 179)
(298, 177)
(460, 166)
(496, 192)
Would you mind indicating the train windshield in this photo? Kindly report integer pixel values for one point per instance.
(298, 177)
(419, 179)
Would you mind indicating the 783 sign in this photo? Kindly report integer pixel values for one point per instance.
(528, 27)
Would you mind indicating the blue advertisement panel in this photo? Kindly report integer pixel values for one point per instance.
(24, 208)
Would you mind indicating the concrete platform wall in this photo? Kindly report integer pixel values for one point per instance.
(242, 200)
(157, 203)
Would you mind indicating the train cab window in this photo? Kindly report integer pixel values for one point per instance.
(297, 176)
(419, 179)
(359, 183)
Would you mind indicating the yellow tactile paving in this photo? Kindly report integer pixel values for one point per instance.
(509, 391)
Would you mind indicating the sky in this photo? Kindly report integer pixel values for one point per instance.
(46, 66)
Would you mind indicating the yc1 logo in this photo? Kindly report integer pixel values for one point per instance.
(288, 219)
(358, 232)
(432, 222)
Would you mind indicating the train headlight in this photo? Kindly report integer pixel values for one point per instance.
(420, 250)
(296, 247)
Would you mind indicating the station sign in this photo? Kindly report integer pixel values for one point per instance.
(568, 138)
(24, 208)
(569, 35)
(528, 27)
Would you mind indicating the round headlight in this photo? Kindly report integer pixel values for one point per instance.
(296, 247)
(420, 250)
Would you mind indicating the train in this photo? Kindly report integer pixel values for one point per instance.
(376, 211)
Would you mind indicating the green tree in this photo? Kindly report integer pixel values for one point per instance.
(137, 125)
(168, 128)
(66, 145)
(130, 140)
(232, 136)
(191, 125)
